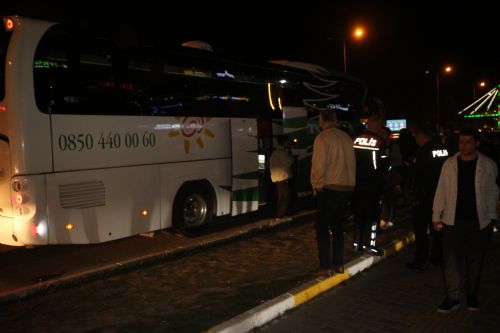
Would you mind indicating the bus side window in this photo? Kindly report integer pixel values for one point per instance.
(54, 67)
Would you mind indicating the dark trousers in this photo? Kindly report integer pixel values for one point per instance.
(282, 197)
(367, 210)
(331, 209)
(391, 180)
(464, 247)
(422, 222)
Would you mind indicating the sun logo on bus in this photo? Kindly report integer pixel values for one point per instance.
(192, 128)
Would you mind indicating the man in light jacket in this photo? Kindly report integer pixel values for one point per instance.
(333, 176)
(464, 207)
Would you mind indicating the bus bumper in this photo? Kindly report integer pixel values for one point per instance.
(6, 232)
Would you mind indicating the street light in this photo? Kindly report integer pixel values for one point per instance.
(481, 84)
(446, 70)
(357, 34)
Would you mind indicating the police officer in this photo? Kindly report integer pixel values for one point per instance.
(429, 159)
(371, 165)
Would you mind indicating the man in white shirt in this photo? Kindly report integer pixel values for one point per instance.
(464, 207)
(280, 164)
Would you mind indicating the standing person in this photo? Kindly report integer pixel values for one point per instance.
(407, 146)
(332, 179)
(464, 205)
(371, 165)
(449, 139)
(429, 159)
(280, 163)
(392, 178)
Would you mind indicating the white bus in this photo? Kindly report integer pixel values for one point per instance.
(103, 138)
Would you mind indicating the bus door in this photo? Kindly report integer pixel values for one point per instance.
(5, 199)
(6, 217)
(265, 143)
(295, 127)
(245, 163)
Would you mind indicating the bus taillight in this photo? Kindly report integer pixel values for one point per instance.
(3, 108)
(19, 198)
(8, 24)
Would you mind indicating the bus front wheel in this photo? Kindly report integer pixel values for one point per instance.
(193, 209)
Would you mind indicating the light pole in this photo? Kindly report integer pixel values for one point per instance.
(481, 84)
(447, 69)
(437, 103)
(345, 57)
(357, 34)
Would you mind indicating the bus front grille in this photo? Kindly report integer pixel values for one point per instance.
(82, 195)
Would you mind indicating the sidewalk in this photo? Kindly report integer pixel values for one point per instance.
(390, 298)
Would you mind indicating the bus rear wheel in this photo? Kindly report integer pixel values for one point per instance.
(193, 209)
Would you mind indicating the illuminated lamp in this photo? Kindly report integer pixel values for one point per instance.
(9, 24)
(16, 186)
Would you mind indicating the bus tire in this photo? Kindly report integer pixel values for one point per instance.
(193, 208)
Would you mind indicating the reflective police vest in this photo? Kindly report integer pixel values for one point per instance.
(427, 167)
(371, 161)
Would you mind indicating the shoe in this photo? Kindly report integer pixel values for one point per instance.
(338, 268)
(386, 225)
(448, 305)
(373, 250)
(418, 265)
(321, 272)
(358, 248)
(436, 261)
(472, 303)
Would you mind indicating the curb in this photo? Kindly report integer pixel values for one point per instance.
(275, 307)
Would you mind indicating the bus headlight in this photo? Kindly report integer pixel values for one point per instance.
(16, 186)
(19, 198)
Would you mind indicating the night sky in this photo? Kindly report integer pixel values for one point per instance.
(404, 38)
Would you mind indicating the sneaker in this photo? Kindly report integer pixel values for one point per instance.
(321, 272)
(472, 303)
(338, 269)
(418, 265)
(357, 248)
(374, 250)
(448, 305)
(386, 225)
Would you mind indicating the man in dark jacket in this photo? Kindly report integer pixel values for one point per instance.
(429, 159)
(371, 165)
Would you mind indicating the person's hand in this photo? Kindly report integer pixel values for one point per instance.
(437, 225)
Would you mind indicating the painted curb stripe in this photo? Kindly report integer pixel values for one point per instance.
(274, 308)
(319, 287)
